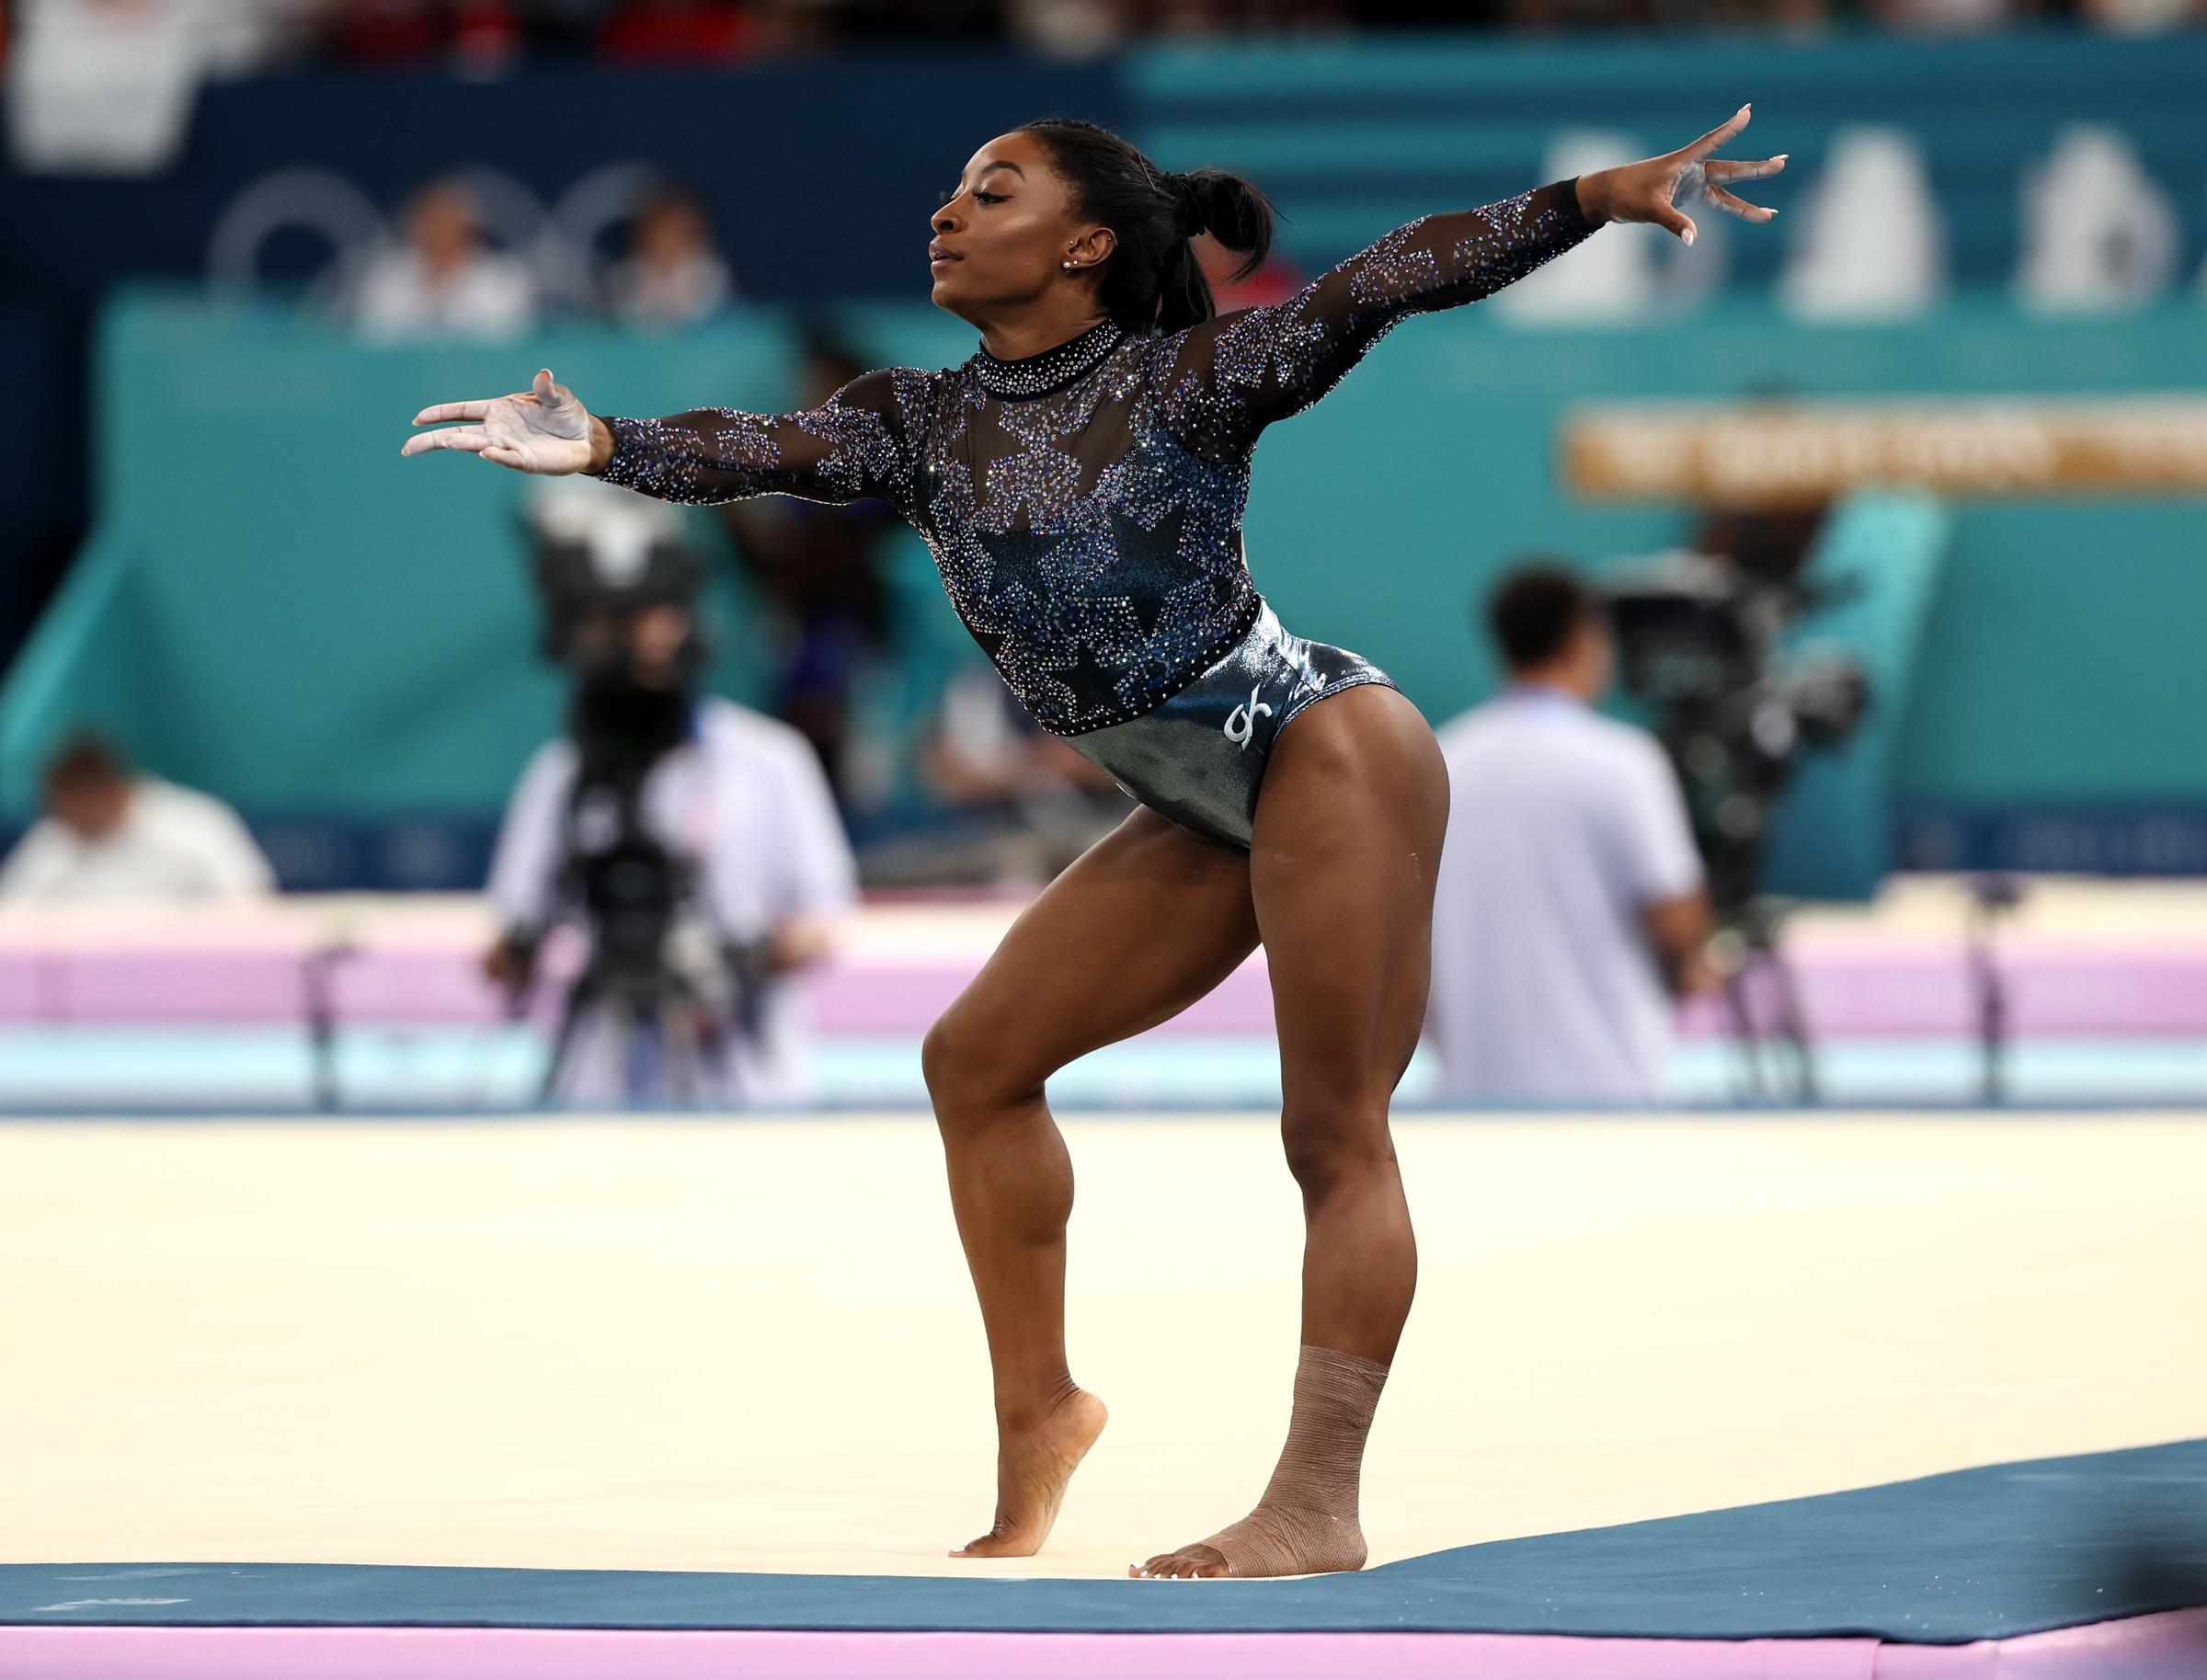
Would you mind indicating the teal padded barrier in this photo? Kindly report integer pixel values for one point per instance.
(1834, 837)
(1353, 143)
(280, 609)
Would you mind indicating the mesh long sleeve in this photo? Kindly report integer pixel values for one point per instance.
(1084, 505)
(1233, 376)
(853, 446)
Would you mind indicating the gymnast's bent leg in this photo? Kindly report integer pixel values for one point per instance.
(1144, 923)
(1348, 833)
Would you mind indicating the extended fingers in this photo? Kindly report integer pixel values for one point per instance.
(1739, 207)
(472, 439)
(1716, 137)
(454, 411)
(1725, 170)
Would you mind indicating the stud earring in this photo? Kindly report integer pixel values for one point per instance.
(1070, 266)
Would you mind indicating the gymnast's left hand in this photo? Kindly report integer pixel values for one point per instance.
(543, 429)
(1652, 190)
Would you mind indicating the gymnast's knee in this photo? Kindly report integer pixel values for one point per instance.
(969, 1080)
(1331, 1142)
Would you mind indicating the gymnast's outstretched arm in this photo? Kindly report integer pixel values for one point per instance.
(1232, 376)
(849, 447)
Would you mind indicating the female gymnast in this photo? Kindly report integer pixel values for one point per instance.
(1081, 481)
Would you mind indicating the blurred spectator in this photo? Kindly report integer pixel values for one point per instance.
(103, 86)
(1946, 16)
(819, 569)
(483, 35)
(238, 36)
(1570, 905)
(956, 20)
(672, 275)
(2143, 16)
(111, 836)
(1069, 28)
(443, 277)
(1244, 17)
(2098, 233)
(678, 32)
(1870, 243)
(1580, 13)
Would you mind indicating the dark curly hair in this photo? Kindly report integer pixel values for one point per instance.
(1535, 610)
(1152, 278)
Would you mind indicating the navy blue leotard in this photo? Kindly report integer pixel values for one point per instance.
(1084, 505)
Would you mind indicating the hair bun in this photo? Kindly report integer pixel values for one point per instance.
(1233, 212)
(1152, 281)
(1188, 198)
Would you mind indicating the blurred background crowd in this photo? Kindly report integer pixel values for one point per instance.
(234, 37)
(1924, 529)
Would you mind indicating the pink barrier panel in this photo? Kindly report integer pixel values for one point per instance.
(2171, 1646)
(2166, 1647)
(895, 1002)
(1899, 992)
(413, 985)
(2056, 989)
(522, 1653)
(182, 986)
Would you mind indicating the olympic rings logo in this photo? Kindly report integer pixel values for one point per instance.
(561, 242)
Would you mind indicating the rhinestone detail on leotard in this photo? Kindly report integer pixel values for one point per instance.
(1039, 375)
(1084, 505)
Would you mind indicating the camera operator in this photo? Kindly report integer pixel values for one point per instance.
(1570, 909)
(1702, 634)
(693, 841)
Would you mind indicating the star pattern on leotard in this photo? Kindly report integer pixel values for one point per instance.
(1084, 507)
(1400, 266)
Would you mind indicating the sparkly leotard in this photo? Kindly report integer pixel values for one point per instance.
(1084, 505)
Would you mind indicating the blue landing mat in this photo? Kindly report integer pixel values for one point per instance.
(1990, 1553)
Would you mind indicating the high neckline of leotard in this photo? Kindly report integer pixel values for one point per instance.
(1052, 370)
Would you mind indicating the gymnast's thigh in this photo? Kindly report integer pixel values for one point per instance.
(1146, 921)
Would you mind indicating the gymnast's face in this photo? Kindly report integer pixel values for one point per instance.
(1005, 232)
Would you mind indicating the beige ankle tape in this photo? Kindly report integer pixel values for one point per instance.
(1307, 1522)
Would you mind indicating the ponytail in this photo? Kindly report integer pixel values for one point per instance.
(1152, 278)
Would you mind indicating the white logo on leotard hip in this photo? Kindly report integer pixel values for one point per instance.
(1241, 722)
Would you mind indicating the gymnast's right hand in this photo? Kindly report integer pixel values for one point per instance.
(543, 429)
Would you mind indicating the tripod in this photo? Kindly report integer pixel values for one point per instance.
(670, 1043)
(1757, 925)
(670, 1016)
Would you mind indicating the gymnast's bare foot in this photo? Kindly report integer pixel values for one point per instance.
(1032, 1466)
(1271, 1540)
(1185, 1564)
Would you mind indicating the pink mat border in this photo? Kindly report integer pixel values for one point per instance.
(1891, 989)
(2172, 1646)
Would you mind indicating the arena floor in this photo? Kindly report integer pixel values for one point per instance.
(750, 1345)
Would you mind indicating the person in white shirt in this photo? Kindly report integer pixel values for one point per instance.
(672, 276)
(1570, 911)
(736, 802)
(110, 836)
(442, 276)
